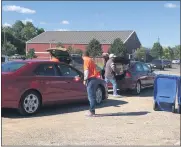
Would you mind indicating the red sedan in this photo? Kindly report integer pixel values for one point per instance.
(28, 85)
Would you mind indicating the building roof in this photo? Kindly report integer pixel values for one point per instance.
(81, 37)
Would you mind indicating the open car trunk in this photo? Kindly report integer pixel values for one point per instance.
(122, 66)
(61, 54)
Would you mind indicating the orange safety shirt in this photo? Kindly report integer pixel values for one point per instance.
(90, 66)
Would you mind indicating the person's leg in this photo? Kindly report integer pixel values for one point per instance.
(114, 83)
(91, 95)
(106, 80)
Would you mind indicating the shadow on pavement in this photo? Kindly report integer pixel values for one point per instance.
(123, 114)
(61, 109)
(147, 92)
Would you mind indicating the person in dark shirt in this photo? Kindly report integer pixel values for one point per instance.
(106, 58)
(110, 73)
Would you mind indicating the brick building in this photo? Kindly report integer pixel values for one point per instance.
(80, 39)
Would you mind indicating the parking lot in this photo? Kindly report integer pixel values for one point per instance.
(130, 120)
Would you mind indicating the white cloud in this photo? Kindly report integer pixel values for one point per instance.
(42, 22)
(14, 8)
(170, 5)
(65, 22)
(62, 30)
(27, 20)
(6, 24)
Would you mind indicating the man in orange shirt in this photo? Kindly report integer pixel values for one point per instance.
(90, 81)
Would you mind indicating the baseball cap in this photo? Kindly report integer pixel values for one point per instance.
(112, 56)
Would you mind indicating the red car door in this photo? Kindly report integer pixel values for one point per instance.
(49, 82)
(77, 90)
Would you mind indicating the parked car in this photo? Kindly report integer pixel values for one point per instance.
(29, 84)
(4, 59)
(167, 63)
(137, 76)
(176, 61)
(158, 64)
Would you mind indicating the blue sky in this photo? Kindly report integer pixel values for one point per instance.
(150, 20)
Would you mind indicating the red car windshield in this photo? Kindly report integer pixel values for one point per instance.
(12, 66)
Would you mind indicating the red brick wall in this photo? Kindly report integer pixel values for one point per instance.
(40, 47)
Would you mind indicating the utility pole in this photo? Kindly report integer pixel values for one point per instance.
(158, 39)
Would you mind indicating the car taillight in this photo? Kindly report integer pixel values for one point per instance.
(128, 75)
(98, 75)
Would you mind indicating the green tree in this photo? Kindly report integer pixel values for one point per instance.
(177, 52)
(31, 54)
(29, 31)
(17, 28)
(166, 53)
(94, 48)
(19, 44)
(39, 31)
(141, 54)
(118, 48)
(8, 49)
(171, 53)
(59, 44)
(157, 51)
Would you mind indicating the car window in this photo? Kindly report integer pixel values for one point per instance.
(139, 67)
(45, 70)
(67, 70)
(146, 68)
(11, 66)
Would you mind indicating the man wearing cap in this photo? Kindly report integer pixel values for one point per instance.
(110, 73)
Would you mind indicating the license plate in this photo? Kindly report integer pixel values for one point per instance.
(154, 66)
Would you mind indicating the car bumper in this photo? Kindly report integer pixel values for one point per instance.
(127, 84)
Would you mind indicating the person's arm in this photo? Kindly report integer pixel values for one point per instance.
(86, 70)
(113, 67)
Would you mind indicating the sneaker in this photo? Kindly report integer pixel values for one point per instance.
(90, 114)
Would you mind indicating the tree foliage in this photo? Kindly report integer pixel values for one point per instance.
(168, 53)
(118, 48)
(17, 28)
(8, 49)
(177, 52)
(157, 51)
(29, 31)
(31, 54)
(94, 48)
(39, 30)
(140, 54)
(18, 34)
